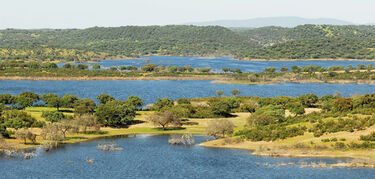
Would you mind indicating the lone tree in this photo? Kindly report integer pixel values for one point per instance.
(220, 127)
(116, 113)
(219, 93)
(165, 119)
(235, 92)
(27, 99)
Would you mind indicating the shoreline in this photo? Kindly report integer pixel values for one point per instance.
(215, 79)
(322, 59)
(86, 78)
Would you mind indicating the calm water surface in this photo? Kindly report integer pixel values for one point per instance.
(149, 91)
(147, 156)
(218, 63)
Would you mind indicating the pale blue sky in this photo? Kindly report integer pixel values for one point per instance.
(88, 13)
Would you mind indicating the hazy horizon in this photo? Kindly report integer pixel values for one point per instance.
(42, 14)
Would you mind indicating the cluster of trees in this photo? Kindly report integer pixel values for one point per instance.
(269, 120)
(267, 36)
(336, 48)
(316, 68)
(216, 107)
(87, 114)
(17, 66)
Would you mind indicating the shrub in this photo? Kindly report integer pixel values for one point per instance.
(370, 137)
(183, 101)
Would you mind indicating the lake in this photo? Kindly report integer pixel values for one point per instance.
(147, 156)
(218, 63)
(150, 91)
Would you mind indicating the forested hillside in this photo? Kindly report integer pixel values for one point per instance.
(270, 35)
(306, 41)
(130, 41)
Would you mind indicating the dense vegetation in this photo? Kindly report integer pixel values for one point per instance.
(130, 41)
(270, 121)
(307, 41)
(311, 73)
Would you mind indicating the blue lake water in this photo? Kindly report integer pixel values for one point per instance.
(150, 91)
(151, 156)
(218, 63)
(146, 156)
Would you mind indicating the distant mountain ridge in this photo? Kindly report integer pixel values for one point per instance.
(273, 21)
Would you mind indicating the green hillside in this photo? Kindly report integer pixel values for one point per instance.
(306, 41)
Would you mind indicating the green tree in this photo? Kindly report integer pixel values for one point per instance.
(105, 98)
(284, 69)
(52, 100)
(270, 70)
(343, 104)
(149, 68)
(116, 114)
(7, 99)
(68, 66)
(26, 99)
(219, 93)
(53, 116)
(68, 100)
(297, 109)
(135, 101)
(162, 104)
(172, 69)
(84, 106)
(235, 92)
(220, 108)
(82, 67)
(308, 100)
(226, 70)
(18, 119)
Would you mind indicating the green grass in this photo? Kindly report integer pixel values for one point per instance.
(36, 112)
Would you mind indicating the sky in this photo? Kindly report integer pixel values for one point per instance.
(31, 14)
